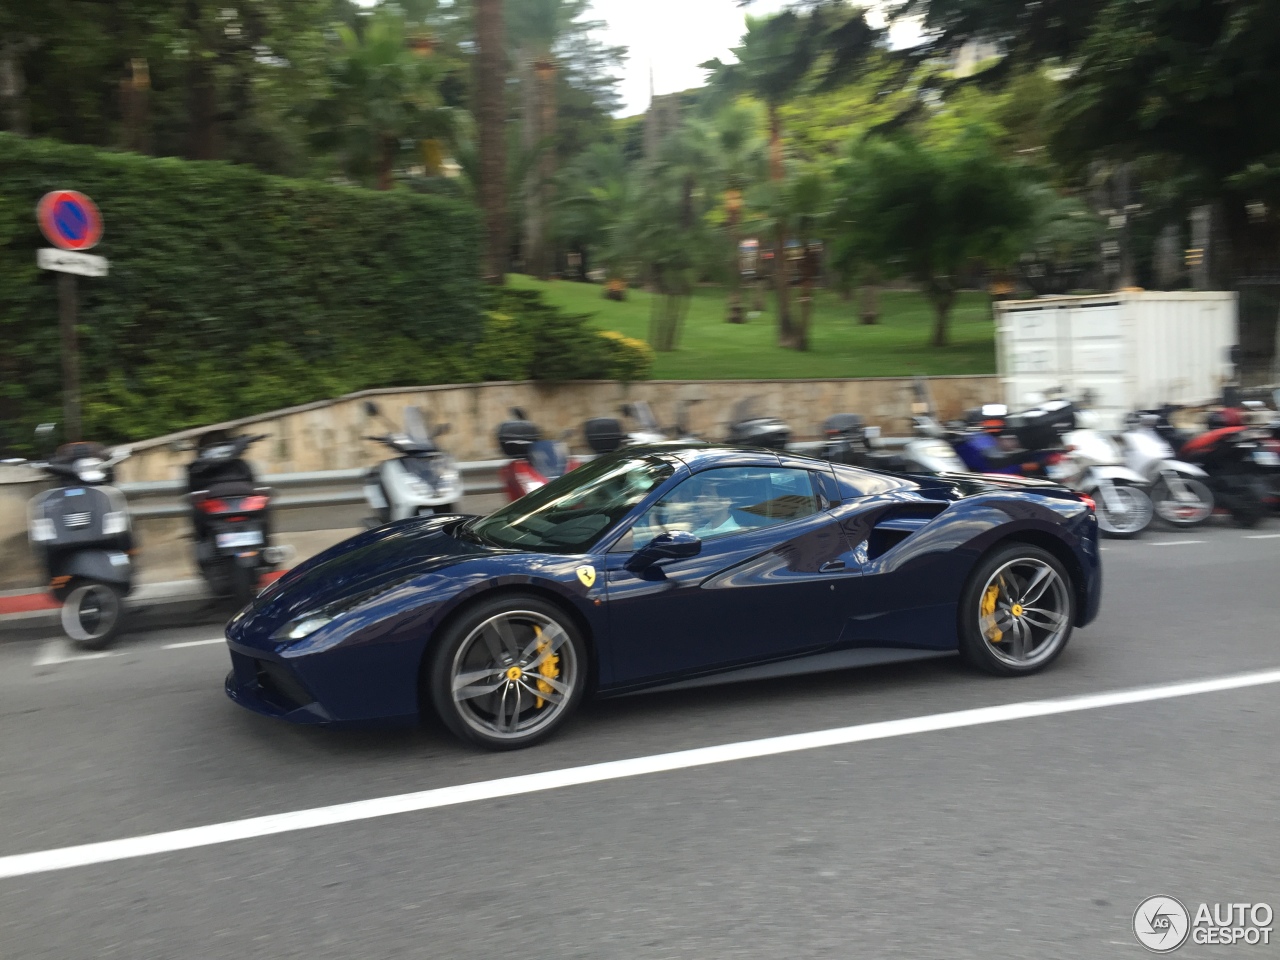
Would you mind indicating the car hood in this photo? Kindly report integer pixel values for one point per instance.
(362, 567)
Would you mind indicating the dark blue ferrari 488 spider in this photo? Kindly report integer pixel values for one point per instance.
(666, 566)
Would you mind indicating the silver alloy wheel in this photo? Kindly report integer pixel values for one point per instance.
(1133, 514)
(90, 612)
(513, 674)
(1024, 612)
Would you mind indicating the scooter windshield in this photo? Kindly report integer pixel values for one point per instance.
(415, 426)
(549, 457)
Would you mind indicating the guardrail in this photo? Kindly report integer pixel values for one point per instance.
(479, 477)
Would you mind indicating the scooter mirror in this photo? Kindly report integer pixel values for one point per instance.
(518, 413)
(371, 409)
(441, 430)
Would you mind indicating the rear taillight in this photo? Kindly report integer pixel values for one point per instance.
(528, 478)
(573, 464)
(1052, 459)
(1089, 502)
(212, 505)
(256, 502)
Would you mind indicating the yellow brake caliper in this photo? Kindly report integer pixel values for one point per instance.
(988, 609)
(550, 667)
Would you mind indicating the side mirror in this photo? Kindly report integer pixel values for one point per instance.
(666, 546)
(628, 410)
(371, 409)
(441, 430)
(518, 413)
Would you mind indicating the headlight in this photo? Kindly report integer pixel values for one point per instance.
(42, 530)
(304, 627)
(113, 523)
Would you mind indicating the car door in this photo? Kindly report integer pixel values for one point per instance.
(767, 583)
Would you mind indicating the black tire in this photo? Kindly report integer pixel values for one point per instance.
(244, 584)
(92, 614)
(982, 649)
(475, 645)
(1247, 501)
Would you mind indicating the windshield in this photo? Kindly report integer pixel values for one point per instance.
(568, 515)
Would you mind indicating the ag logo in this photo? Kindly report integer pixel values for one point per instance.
(1161, 924)
(587, 574)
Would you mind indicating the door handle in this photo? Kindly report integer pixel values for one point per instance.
(831, 566)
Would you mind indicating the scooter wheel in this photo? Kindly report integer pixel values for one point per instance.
(92, 614)
(244, 585)
(1131, 519)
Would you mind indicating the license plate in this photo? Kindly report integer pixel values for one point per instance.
(1266, 458)
(246, 538)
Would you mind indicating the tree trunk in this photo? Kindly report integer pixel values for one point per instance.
(869, 303)
(781, 279)
(942, 295)
(387, 162)
(735, 313)
(540, 122)
(782, 287)
(13, 87)
(202, 94)
(808, 278)
(491, 115)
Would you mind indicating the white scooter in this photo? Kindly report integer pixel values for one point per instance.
(1177, 489)
(423, 480)
(1124, 509)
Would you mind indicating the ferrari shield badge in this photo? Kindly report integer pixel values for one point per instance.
(587, 574)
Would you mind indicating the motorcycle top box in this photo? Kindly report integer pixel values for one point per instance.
(604, 434)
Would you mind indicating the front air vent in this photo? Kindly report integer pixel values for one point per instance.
(76, 520)
(898, 524)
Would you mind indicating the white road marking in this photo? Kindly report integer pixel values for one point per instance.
(64, 858)
(193, 643)
(1262, 536)
(59, 650)
(1174, 543)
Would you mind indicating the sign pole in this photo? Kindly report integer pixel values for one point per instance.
(71, 222)
(70, 355)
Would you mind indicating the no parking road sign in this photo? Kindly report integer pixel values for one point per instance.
(69, 220)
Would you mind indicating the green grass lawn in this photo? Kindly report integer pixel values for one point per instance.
(840, 346)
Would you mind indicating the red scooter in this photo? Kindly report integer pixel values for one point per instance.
(535, 461)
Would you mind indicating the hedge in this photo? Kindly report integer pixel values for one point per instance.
(232, 293)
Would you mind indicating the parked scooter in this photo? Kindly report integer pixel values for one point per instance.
(608, 434)
(535, 461)
(231, 517)
(1242, 461)
(420, 481)
(747, 428)
(1179, 491)
(1123, 507)
(82, 534)
(991, 440)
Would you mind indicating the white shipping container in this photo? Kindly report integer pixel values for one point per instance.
(1132, 350)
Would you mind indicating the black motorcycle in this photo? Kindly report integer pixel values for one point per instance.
(230, 515)
(81, 533)
(1242, 461)
(748, 428)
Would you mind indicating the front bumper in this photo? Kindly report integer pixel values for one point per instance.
(270, 688)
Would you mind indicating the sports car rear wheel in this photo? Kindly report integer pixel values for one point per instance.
(508, 672)
(1017, 611)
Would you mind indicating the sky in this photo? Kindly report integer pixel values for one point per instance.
(672, 37)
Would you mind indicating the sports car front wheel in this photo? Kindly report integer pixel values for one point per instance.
(508, 672)
(1017, 611)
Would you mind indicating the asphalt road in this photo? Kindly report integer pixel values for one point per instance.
(1025, 838)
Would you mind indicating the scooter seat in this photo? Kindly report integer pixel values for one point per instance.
(231, 488)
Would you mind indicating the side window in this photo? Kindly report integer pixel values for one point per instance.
(722, 502)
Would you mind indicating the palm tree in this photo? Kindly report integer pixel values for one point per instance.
(537, 29)
(738, 162)
(595, 194)
(383, 100)
(773, 58)
(491, 118)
